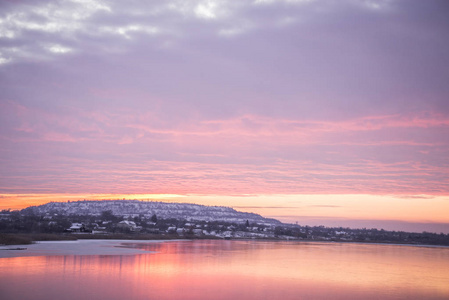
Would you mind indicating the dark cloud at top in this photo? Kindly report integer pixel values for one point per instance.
(323, 59)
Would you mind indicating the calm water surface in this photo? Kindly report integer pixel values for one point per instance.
(225, 270)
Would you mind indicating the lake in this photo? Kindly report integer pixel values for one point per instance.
(221, 269)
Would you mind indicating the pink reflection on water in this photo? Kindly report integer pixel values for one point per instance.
(234, 270)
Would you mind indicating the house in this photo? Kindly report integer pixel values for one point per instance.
(77, 227)
(128, 225)
(171, 229)
(227, 234)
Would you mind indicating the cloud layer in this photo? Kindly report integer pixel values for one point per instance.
(224, 97)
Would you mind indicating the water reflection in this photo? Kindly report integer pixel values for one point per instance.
(234, 270)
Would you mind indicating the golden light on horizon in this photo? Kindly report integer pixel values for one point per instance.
(414, 208)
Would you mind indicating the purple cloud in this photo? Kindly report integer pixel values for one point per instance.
(226, 97)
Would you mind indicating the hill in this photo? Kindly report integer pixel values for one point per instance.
(133, 208)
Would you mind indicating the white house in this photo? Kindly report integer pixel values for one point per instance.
(129, 225)
(77, 227)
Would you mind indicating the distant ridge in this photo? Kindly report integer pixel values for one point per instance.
(132, 208)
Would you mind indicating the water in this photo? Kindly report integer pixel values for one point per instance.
(224, 270)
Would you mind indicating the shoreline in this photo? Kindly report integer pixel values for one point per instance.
(12, 239)
(76, 248)
(120, 247)
(7, 239)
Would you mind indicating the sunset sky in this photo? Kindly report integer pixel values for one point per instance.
(332, 112)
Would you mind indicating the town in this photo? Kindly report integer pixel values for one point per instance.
(107, 225)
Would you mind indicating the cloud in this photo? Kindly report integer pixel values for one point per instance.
(266, 207)
(324, 57)
(326, 206)
(233, 97)
(58, 49)
(234, 156)
(415, 196)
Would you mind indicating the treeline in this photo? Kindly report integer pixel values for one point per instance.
(364, 235)
(15, 222)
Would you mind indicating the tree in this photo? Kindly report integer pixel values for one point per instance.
(247, 223)
(108, 215)
(154, 218)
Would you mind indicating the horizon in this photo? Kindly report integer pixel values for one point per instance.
(312, 111)
(389, 225)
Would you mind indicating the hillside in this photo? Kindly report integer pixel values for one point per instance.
(132, 208)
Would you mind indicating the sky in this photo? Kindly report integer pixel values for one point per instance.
(321, 112)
